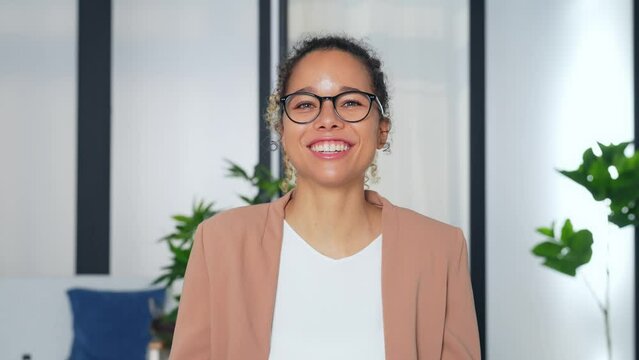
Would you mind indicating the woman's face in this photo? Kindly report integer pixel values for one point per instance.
(330, 151)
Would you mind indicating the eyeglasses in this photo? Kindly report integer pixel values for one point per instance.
(351, 106)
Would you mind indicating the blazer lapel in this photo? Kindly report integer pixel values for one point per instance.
(396, 310)
(397, 287)
(271, 245)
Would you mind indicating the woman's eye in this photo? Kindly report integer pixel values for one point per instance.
(304, 105)
(351, 103)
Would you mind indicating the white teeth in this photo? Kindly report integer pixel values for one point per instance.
(330, 147)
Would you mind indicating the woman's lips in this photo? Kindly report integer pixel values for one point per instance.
(330, 149)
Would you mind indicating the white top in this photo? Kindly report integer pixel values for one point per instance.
(327, 308)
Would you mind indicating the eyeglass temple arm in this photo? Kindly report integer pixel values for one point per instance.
(381, 107)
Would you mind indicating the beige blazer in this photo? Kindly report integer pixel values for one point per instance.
(228, 298)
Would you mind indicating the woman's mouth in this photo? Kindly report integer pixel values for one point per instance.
(330, 149)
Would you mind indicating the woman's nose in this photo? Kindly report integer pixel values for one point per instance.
(328, 118)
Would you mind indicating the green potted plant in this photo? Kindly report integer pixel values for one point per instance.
(180, 241)
(613, 177)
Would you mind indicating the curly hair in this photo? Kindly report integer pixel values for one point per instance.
(356, 48)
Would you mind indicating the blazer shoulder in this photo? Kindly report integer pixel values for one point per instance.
(428, 231)
(236, 220)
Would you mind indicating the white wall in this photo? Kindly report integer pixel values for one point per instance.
(559, 78)
(424, 50)
(37, 137)
(184, 98)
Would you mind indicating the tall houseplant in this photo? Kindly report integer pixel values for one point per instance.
(610, 176)
(180, 241)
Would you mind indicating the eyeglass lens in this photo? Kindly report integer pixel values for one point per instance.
(352, 106)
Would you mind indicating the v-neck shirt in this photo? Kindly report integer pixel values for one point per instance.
(327, 308)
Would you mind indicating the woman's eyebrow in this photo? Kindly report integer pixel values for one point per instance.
(348, 88)
(305, 89)
(312, 89)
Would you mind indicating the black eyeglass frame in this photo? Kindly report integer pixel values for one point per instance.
(372, 97)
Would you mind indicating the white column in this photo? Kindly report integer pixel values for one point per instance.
(559, 77)
(38, 137)
(184, 99)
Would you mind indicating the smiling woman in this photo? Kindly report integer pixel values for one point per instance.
(325, 75)
(330, 270)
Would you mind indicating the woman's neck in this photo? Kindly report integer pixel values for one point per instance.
(336, 221)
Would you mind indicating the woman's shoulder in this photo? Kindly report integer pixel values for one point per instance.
(236, 219)
(411, 217)
(414, 225)
(427, 231)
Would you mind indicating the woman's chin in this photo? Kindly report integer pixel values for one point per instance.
(331, 181)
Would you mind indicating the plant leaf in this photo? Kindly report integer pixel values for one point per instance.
(622, 189)
(569, 252)
(561, 266)
(547, 249)
(548, 231)
(566, 232)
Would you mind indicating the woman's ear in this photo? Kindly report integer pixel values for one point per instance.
(384, 128)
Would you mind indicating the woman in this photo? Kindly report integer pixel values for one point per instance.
(330, 270)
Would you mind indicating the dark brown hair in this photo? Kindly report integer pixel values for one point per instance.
(356, 48)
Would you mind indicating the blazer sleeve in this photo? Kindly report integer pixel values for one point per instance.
(192, 330)
(461, 335)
